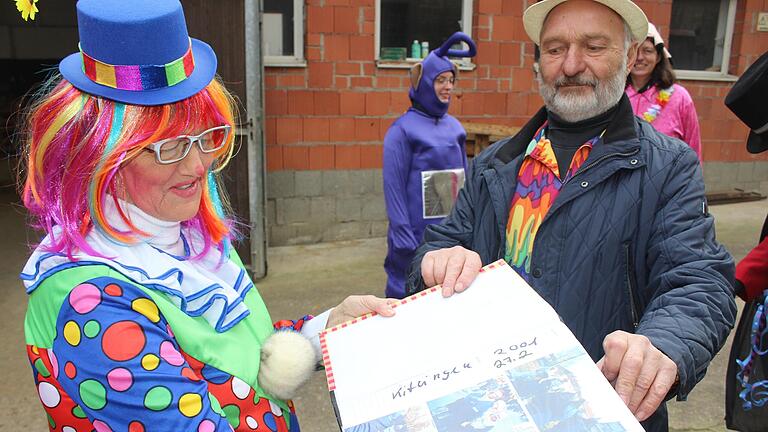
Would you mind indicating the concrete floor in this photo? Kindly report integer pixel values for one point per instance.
(310, 279)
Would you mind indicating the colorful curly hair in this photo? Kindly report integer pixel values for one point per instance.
(76, 143)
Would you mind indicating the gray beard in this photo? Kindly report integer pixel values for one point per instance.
(573, 108)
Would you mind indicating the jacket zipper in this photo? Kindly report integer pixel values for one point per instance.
(630, 273)
(588, 167)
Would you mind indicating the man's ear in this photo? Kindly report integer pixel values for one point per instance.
(632, 56)
(416, 71)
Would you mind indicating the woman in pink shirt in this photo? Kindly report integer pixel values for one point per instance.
(655, 96)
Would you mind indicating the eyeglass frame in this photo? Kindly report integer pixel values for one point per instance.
(442, 80)
(155, 147)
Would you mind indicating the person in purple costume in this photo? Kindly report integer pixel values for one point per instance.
(424, 160)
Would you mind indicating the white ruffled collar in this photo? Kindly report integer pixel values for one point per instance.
(203, 286)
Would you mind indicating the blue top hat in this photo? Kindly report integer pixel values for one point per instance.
(137, 52)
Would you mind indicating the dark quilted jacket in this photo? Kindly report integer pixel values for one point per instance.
(627, 245)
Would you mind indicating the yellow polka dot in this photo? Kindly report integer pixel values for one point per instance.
(190, 404)
(35, 350)
(150, 362)
(147, 308)
(72, 333)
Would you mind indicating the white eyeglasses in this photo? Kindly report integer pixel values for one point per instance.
(172, 150)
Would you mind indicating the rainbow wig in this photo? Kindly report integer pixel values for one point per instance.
(76, 143)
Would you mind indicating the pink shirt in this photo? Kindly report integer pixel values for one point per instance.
(677, 119)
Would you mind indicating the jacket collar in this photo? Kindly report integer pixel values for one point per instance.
(620, 135)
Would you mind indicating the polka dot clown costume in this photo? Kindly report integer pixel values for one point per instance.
(135, 322)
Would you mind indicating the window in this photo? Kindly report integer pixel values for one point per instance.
(700, 37)
(401, 22)
(283, 32)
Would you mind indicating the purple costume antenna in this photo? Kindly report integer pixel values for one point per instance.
(424, 164)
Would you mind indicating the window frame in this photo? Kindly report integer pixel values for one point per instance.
(463, 64)
(297, 59)
(722, 75)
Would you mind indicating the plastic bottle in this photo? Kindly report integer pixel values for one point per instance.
(424, 49)
(415, 49)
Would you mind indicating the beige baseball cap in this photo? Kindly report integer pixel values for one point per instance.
(534, 16)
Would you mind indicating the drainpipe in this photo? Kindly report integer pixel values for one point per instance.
(254, 95)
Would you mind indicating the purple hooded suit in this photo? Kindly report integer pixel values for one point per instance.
(424, 163)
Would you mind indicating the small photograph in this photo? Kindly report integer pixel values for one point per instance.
(553, 395)
(489, 406)
(439, 191)
(414, 419)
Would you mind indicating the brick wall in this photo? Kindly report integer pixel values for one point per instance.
(325, 122)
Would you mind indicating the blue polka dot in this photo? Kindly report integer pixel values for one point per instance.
(269, 420)
(214, 375)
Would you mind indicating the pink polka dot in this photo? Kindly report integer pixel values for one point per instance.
(169, 354)
(206, 426)
(120, 379)
(100, 426)
(54, 363)
(170, 332)
(84, 298)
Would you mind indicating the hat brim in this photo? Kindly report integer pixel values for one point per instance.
(757, 143)
(71, 69)
(534, 16)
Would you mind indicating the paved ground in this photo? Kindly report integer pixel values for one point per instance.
(310, 279)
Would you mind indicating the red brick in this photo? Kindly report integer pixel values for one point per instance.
(487, 53)
(326, 103)
(361, 47)
(488, 84)
(314, 53)
(367, 129)
(274, 157)
(472, 104)
(369, 68)
(337, 2)
(505, 85)
(482, 34)
(347, 68)
(345, 20)
(368, 27)
(342, 129)
(275, 102)
(494, 103)
(371, 156)
(483, 21)
(504, 27)
(321, 157)
(388, 82)
(399, 102)
(320, 75)
(296, 157)
(513, 8)
(288, 130)
(490, 7)
(347, 157)
(522, 80)
(509, 54)
(270, 80)
(314, 39)
(361, 82)
(517, 104)
(376, 103)
(270, 127)
(351, 103)
(300, 102)
(336, 47)
(341, 82)
(319, 19)
(369, 13)
(384, 125)
(368, 3)
(295, 80)
(316, 130)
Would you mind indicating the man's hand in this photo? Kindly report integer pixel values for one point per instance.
(359, 305)
(641, 374)
(454, 268)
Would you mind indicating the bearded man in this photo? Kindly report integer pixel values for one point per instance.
(602, 215)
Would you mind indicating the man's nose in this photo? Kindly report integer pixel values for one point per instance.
(574, 62)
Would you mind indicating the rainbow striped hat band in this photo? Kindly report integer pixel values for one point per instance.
(139, 77)
(137, 52)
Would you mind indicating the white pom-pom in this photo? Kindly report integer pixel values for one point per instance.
(287, 362)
